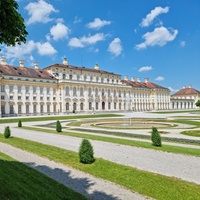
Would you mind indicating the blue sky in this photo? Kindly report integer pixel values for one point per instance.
(159, 40)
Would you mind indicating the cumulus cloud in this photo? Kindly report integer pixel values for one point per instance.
(39, 12)
(59, 31)
(152, 15)
(145, 69)
(98, 23)
(25, 51)
(115, 47)
(159, 78)
(160, 36)
(45, 49)
(85, 41)
(172, 90)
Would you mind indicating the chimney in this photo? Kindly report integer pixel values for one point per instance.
(183, 87)
(21, 63)
(146, 80)
(65, 62)
(138, 79)
(3, 60)
(126, 78)
(189, 86)
(132, 78)
(36, 65)
(96, 67)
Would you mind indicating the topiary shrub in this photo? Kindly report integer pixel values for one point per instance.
(19, 123)
(7, 132)
(86, 154)
(155, 137)
(58, 126)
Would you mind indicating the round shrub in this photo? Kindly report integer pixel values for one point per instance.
(58, 126)
(19, 123)
(86, 154)
(7, 132)
(155, 137)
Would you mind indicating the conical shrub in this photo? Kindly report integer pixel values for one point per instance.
(155, 137)
(86, 154)
(7, 132)
(58, 126)
(20, 123)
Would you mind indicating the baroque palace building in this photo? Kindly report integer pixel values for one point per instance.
(63, 88)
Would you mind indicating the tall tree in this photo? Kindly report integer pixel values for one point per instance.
(198, 103)
(12, 27)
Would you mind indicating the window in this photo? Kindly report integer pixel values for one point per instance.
(41, 90)
(54, 98)
(19, 89)
(48, 108)
(34, 90)
(74, 106)
(81, 106)
(27, 89)
(2, 109)
(48, 98)
(11, 97)
(85, 78)
(70, 77)
(64, 76)
(89, 91)
(81, 91)
(11, 88)
(90, 105)
(109, 106)
(27, 98)
(11, 109)
(2, 88)
(124, 93)
(67, 90)
(19, 97)
(27, 109)
(97, 105)
(108, 92)
(120, 95)
(115, 105)
(74, 91)
(67, 106)
(102, 80)
(54, 108)
(108, 80)
(41, 108)
(102, 92)
(34, 98)
(114, 92)
(96, 92)
(48, 90)
(2, 97)
(78, 77)
(19, 109)
(41, 98)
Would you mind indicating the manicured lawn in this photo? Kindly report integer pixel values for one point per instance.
(167, 148)
(30, 119)
(18, 182)
(146, 183)
(195, 133)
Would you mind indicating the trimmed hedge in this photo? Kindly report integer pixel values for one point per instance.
(7, 132)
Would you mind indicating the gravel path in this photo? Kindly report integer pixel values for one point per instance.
(169, 164)
(89, 186)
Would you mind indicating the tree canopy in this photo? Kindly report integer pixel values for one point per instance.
(198, 103)
(12, 27)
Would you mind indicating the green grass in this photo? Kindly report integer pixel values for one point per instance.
(189, 122)
(167, 148)
(18, 182)
(178, 111)
(146, 183)
(195, 133)
(31, 119)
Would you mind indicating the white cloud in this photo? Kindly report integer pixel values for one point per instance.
(159, 78)
(160, 36)
(145, 69)
(85, 41)
(115, 47)
(77, 20)
(39, 12)
(98, 23)
(152, 15)
(59, 31)
(182, 43)
(45, 49)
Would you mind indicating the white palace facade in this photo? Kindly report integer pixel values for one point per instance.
(63, 88)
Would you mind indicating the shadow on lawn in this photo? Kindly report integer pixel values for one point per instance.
(81, 185)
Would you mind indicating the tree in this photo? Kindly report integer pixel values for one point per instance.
(197, 103)
(7, 132)
(12, 27)
(86, 154)
(155, 137)
(58, 126)
(20, 123)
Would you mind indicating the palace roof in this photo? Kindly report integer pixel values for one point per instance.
(187, 91)
(7, 70)
(147, 84)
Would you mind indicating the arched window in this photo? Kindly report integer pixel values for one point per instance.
(90, 105)
(89, 91)
(64, 76)
(102, 92)
(70, 77)
(81, 106)
(67, 90)
(74, 91)
(81, 91)
(109, 106)
(97, 105)
(96, 92)
(67, 106)
(74, 106)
